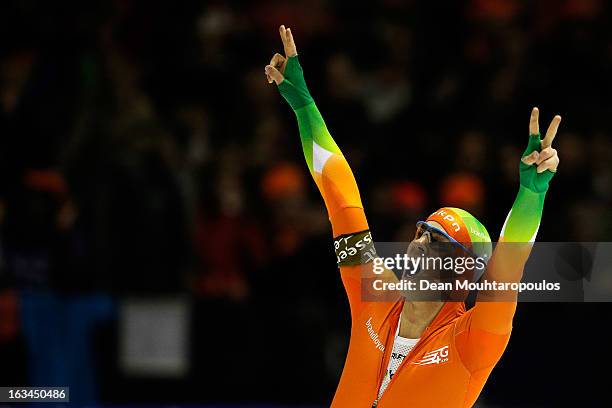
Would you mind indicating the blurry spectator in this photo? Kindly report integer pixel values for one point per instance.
(472, 152)
(58, 323)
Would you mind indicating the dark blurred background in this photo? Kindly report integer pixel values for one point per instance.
(161, 241)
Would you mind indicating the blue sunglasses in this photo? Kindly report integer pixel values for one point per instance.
(429, 228)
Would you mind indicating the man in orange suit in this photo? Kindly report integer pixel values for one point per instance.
(409, 353)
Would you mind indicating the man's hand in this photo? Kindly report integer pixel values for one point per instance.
(287, 73)
(540, 161)
(278, 63)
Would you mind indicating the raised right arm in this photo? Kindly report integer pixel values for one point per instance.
(325, 161)
(329, 169)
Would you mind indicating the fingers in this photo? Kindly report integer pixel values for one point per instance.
(531, 158)
(291, 50)
(547, 159)
(279, 62)
(275, 70)
(545, 154)
(288, 42)
(549, 164)
(551, 132)
(273, 74)
(534, 126)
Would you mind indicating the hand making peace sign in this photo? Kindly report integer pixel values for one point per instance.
(278, 63)
(539, 161)
(286, 72)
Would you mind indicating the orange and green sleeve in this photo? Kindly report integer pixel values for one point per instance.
(335, 180)
(483, 332)
(325, 161)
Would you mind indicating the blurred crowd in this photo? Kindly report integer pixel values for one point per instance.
(144, 155)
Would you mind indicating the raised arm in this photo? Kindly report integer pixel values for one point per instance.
(330, 170)
(325, 161)
(538, 166)
(488, 324)
(494, 311)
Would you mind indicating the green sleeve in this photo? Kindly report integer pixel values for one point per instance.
(524, 218)
(313, 132)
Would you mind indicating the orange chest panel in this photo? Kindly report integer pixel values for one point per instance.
(423, 377)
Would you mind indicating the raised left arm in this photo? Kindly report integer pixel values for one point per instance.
(494, 311)
(483, 332)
